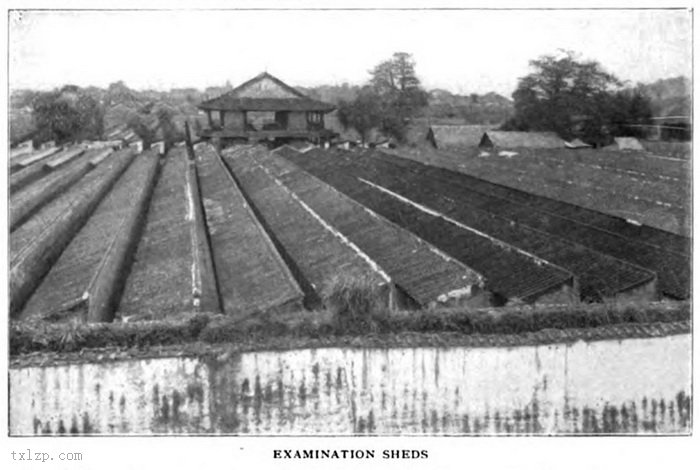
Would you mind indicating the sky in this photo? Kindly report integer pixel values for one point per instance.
(466, 51)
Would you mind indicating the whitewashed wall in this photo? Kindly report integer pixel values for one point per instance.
(630, 386)
(111, 398)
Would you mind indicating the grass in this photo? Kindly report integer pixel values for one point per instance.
(332, 325)
(354, 302)
(681, 150)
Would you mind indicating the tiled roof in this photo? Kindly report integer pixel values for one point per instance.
(507, 272)
(232, 103)
(236, 99)
(457, 136)
(314, 248)
(422, 271)
(522, 139)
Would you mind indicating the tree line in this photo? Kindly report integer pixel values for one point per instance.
(578, 99)
(574, 98)
(74, 114)
(563, 94)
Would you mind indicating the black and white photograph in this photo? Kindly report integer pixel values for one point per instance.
(335, 237)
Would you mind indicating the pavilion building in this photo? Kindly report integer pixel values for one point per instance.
(265, 109)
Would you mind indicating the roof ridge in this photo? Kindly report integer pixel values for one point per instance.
(261, 76)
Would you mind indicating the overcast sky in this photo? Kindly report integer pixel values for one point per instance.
(462, 51)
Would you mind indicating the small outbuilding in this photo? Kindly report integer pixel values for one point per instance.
(459, 136)
(508, 139)
(625, 143)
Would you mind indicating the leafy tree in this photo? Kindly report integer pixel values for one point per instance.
(68, 114)
(119, 92)
(396, 79)
(575, 98)
(22, 98)
(387, 102)
(630, 113)
(363, 113)
(397, 92)
(171, 134)
(138, 122)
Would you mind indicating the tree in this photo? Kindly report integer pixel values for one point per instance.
(119, 93)
(398, 93)
(66, 115)
(388, 101)
(171, 134)
(363, 113)
(396, 78)
(630, 113)
(574, 98)
(138, 122)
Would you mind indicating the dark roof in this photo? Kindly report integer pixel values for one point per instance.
(425, 273)
(73, 273)
(160, 279)
(508, 272)
(655, 250)
(233, 101)
(511, 139)
(319, 253)
(252, 272)
(599, 274)
(458, 136)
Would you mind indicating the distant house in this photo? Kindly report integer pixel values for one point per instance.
(503, 139)
(455, 135)
(265, 109)
(625, 143)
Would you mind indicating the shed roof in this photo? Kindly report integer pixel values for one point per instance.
(265, 93)
(627, 143)
(246, 261)
(510, 139)
(456, 135)
(507, 271)
(577, 144)
(424, 272)
(319, 251)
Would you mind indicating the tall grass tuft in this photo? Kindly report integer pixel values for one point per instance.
(355, 303)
